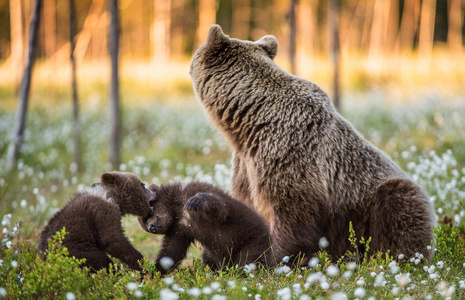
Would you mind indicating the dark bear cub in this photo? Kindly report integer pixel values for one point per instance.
(231, 233)
(93, 221)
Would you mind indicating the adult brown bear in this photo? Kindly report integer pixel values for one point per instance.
(300, 163)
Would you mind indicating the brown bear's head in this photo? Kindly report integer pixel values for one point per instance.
(224, 61)
(166, 209)
(127, 191)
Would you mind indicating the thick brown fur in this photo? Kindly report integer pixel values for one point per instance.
(230, 232)
(92, 220)
(298, 162)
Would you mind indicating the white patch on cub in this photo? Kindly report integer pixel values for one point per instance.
(99, 191)
(186, 218)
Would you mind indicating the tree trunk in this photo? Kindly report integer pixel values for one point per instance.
(161, 33)
(50, 27)
(378, 35)
(292, 34)
(18, 135)
(454, 33)
(335, 50)
(408, 25)
(115, 114)
(17, 36)
(76, 122)
(425, 41)
(207, 17)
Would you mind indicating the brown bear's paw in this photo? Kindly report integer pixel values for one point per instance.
(198, 202)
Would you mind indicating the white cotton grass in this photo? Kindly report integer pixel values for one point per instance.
(332, 270)
(194, 292)
(250, 267)
(166, 263)
(70, 296)
(313, 262)
(167, 294)
(359, 292)
(323, 242)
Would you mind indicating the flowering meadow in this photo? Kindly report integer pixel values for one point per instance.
(175, 142)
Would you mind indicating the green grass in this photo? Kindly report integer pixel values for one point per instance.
(164, 142)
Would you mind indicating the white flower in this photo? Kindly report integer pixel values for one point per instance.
(304, 297)
(359, 292)
(323, 242)
(232, 284)
(194, 292)
(285, 259)
(440, 264)
(373, 274)
(250, 267)
(5, 230)
(404, 279)
(360, 282)
(167, 294)
(339, 296)
(347, 274)
(131, 286)
(207, 290)
(351, 265)
(395, 291)
(138, 294)
(166, 262)
(167, 280)
(332, 270)
(2, 292)
(313, 262)
(297, 288)
(14, 264)
(70, 296)
(379, 279)
(282, 270)
(215, 285)
(314, 277)
(219, 297)
(284, 293)
(417, 261)
(324, 285)
(9, 244)
(401, 257)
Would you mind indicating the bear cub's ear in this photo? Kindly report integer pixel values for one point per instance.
(108, 178)
(216, 36)
(269, 44)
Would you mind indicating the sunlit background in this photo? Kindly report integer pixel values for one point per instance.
(405, 47)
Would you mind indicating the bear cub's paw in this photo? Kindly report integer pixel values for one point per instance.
(198, 202)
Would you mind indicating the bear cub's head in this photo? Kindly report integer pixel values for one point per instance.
(166, 209)
(127, 191)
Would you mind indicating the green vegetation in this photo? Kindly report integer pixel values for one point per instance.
(164, 142)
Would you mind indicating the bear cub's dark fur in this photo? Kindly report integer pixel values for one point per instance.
(230, 232)
(93, 221)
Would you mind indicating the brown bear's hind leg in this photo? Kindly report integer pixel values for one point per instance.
(401, 219)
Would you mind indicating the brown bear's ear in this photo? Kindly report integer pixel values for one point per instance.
(108, 178)
(216, 36)
(153, 187)
(269, 44)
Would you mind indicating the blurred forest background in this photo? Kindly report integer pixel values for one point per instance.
(376, 37)
(406, 49)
